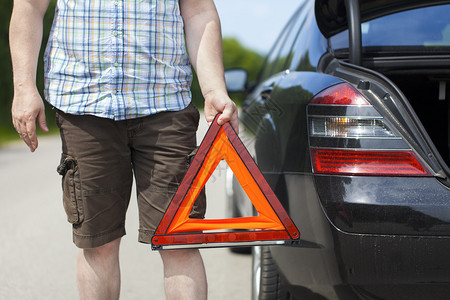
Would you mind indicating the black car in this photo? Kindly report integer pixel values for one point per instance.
(349, 123)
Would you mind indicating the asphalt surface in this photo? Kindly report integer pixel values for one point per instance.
(37, 256)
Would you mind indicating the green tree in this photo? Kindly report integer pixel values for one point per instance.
(5, 71)
(235, 55)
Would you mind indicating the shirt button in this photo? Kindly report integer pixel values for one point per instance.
(116, 3)
(115, 33)
(116, 64)
(116, 92)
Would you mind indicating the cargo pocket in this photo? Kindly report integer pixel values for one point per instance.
(199, 208)
(71, 187)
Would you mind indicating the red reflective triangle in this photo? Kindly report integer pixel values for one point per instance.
(272, 223)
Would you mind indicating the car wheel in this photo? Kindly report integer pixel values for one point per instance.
(266, 283)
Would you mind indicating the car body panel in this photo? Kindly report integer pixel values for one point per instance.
(337, 264)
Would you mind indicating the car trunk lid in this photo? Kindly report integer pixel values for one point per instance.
(332, 17)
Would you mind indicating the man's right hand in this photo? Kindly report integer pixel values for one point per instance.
(25, 38)
(26, 108)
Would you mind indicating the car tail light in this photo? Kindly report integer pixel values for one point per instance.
(340, 94)
(348, 127)
(366, 162)
(348, 136)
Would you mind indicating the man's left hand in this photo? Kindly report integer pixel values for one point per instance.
(220, 102)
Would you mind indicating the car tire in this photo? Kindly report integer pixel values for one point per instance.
(241, 250)
(235, 214)
(232, 210)
(266, 281)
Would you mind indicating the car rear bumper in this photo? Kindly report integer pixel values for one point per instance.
(337, 259)
(417, 206)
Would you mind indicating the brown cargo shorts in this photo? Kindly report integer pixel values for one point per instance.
(99, 158)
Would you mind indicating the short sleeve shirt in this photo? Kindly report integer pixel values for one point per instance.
(118, 59)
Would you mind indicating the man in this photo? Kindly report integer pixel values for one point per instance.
(118, 74)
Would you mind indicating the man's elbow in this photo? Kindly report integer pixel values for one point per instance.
(191, 9)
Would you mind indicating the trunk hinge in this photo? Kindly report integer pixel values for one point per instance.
(354, 31)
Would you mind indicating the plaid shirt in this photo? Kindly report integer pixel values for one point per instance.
(117, 59)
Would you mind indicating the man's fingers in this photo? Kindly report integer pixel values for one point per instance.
(27, 131)
(235, 121)
(224, 117)
(221, 103)
(26, 111)
(16, 125)
(22, 131)
(31, 135)
(229, 114)
(41, 121)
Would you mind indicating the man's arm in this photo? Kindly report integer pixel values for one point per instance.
(25, 38)
(204, 43)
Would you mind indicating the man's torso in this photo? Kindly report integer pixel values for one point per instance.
(118, 59)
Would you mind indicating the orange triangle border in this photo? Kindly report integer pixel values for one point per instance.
(272, 226)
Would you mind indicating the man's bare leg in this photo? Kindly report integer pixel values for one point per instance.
(184, 275)
(98, 272)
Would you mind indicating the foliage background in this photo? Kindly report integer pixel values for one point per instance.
(235, 56)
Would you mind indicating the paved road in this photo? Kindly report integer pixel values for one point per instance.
(37, 257)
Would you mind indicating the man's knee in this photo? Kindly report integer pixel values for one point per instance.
(179, 259)
(106, 251)
(179, 254)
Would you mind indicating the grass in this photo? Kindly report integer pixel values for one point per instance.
(7, 135)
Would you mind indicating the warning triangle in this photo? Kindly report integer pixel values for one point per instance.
(272, 225)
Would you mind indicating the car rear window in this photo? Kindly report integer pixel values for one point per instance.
(428, 26)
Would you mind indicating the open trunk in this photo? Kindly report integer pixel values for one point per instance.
(423, 77)
(427, 95)
(425, 82)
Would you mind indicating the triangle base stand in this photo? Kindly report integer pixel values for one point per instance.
(222, 240)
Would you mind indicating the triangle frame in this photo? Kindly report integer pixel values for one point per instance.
(272, 226)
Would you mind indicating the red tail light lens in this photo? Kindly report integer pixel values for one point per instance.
(358, 162)
(340, 94)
